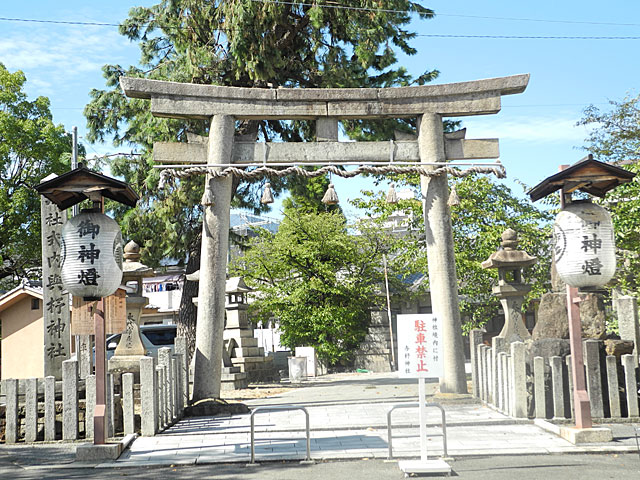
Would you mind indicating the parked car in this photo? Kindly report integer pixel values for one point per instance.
(154, 337)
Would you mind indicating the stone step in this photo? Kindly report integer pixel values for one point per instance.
(246, 360)
(232, 377)
(246, 342)
(248, 352)
(237, 333)
(236, 384)
(230, 370)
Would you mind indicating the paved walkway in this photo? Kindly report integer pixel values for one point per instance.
(348, 419)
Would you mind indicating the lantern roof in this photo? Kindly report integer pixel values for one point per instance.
(237, 285)
(587, 175)
(73, 187)
(507, 256)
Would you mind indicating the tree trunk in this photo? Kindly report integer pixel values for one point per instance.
(188, 311)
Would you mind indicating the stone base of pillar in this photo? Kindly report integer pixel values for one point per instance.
(89, 452)
(586, 435)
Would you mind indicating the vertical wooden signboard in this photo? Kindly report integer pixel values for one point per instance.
(57, 336)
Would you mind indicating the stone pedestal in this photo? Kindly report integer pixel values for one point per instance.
(245, 354)
(130, 349)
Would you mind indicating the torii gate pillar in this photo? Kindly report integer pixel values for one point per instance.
(213, 264)
(440, 254)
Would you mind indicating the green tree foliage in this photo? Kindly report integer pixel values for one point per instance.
(615, 137)
(615, 134)
(243, 43)
(318, 280)
(31, 147)
(487, 208)
(248, 43)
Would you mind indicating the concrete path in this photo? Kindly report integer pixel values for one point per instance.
(348, 419)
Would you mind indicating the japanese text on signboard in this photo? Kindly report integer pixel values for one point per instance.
(419, 346)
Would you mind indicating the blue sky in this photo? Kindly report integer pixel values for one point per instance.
(536, 129)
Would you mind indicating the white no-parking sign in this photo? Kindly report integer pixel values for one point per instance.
(419, 346)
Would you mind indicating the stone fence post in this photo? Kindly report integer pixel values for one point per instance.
(10, 389)
(629, 328)
(128, 411)
(31, 410)
(90, 402)
(49, 408)
(148, 397)
(181, 348)
(628, 362)
(594, 380)
(70, 400)
(475, 339)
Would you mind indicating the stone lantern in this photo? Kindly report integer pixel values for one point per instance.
(511, 289)
(127, 355)
(236, 291)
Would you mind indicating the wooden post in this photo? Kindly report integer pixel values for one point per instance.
(581, 403)
(99, 415)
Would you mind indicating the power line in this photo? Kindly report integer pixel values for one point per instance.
(538, 20)
(59, 22)
(485, 17)
(529, 37)
(337, 6)
(427, 35)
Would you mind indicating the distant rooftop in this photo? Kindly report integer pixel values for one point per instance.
(241, 222)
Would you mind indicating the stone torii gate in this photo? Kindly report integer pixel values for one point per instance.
(222, 106)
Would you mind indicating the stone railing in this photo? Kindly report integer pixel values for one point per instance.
(41, 409)
(539, 387)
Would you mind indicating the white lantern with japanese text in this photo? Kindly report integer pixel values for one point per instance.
(91, 255)
(584, 246)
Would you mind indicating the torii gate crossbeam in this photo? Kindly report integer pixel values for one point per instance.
(223, 105)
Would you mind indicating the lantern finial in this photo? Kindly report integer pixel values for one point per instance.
(509, 239)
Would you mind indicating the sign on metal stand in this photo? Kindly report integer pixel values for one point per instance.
(420, 356)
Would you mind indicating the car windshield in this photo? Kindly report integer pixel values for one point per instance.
(113, 342)
(161, 337)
